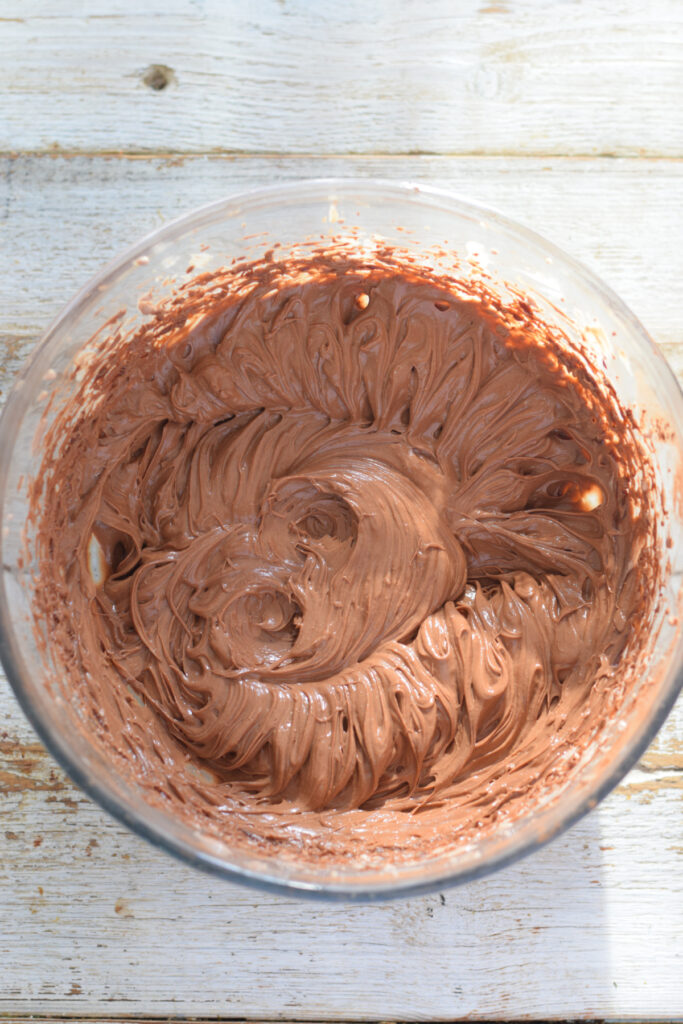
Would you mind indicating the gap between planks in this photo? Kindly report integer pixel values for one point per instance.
(121, 1019)
(57, 152)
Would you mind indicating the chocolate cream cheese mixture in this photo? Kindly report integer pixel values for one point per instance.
(339, 558)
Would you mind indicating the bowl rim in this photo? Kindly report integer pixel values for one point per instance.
(526, 841)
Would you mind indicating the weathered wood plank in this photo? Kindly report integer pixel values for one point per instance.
(95, 920)
(62, 218)
(480, 76)
(25, 765)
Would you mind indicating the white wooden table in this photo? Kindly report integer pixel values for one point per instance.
(568, 115)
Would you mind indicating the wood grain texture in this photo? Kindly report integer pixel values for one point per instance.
(480, 76)
(61, 218)
(95, 922)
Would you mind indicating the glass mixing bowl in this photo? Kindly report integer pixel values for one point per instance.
(410, 217)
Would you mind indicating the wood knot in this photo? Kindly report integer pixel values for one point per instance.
(157, 77)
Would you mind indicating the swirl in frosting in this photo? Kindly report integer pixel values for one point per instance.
(355, 541)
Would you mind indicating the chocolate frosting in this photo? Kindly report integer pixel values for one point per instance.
(338, 542)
